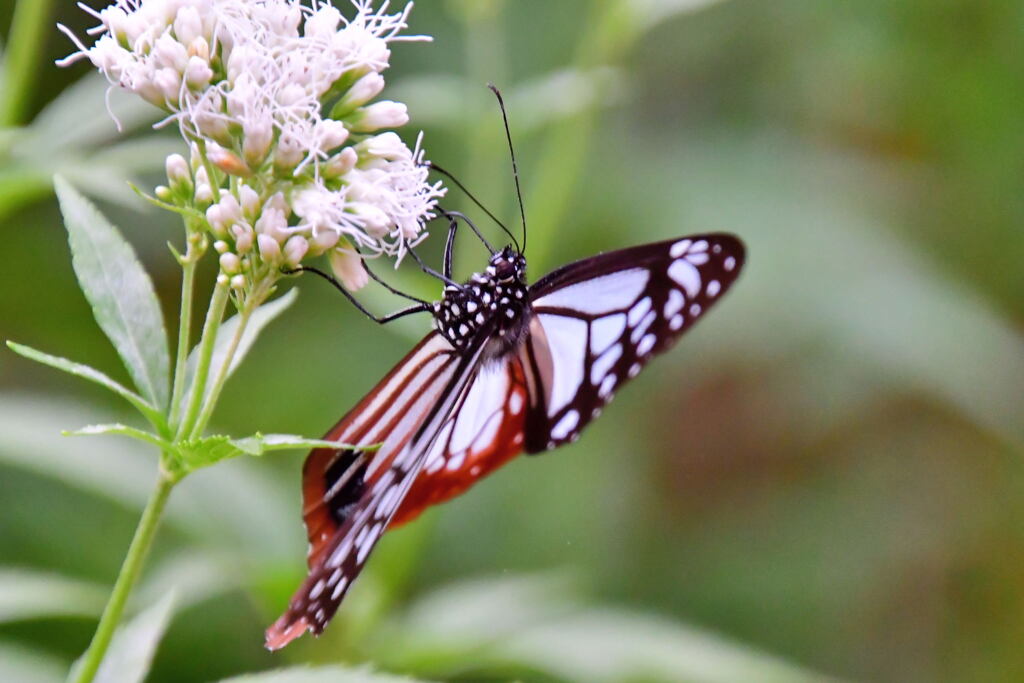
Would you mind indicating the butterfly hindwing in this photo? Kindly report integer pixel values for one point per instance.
(350, 496)
(483, 432)
(597, 322)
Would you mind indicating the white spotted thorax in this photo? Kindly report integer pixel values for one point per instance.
(495, 300)
(291, 156)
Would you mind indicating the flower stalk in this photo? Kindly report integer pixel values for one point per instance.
(127, 577)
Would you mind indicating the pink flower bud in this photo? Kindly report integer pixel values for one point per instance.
(341, 163)
(295, 249)
(250, 201)
(198, 73)
(384, 114)
(227, 161)
(324, 239)
(188, 26)
(270, 250)
(361, 92)
(348, 267)
(229, 263)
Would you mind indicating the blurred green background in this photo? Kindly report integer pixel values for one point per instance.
(824, 478)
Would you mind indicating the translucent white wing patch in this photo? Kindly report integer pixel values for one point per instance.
(601, 321)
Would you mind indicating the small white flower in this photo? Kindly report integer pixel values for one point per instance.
(295, 249)
(229, 263)
(270, 250)
(198, 73)
(279, 92)
(380, 115)
(273, 224)
(249, 200)
(178, 172)
(348, 268)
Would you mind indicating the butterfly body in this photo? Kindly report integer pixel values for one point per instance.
(509, 368)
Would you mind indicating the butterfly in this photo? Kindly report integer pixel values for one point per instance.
(508, 368)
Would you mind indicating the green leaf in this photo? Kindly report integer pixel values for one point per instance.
(131, 650)
(238, 505)
(91, 374)
(122, 430)
(27, 594)
(323, 674)
(610, 645)
(259, 319)
(535, 623)
(211, 449)
(27, 666)
(653, 12)
(120, 292)
(77, 118)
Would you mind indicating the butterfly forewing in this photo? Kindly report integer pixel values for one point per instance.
(597, 322)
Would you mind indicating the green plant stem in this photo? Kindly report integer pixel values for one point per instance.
(214, 315)
(126, 579)
(222, 374)
(25, 42)
(253, 300)
(188, 277)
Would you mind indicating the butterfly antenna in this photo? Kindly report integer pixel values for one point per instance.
(512, 153)
(476, 201)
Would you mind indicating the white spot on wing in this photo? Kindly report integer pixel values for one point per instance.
(697, 259)
(679, 248)
(566, 425)
(686, 275)
(599, 295)
(639, 310)
(567, 339)
(698, 246)
(641, 329)
(714, 287)
(646, 344)
(730, 263)
(339, 588)
(605, 363)
(455, 462)
(675, 303)
(604, 332)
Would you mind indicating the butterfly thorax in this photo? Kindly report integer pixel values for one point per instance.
(494, 302)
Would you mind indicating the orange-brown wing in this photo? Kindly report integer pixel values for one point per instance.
(333, 480)
(350, 496)
(483, 432)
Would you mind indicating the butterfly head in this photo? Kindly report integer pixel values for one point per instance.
(507, 266)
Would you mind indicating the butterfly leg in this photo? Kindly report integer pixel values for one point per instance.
(385, 285)
(430, 271)
(420, 307)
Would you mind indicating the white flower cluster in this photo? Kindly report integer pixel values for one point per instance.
(274, 97)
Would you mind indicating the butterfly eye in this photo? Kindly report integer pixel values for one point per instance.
(505, 271)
